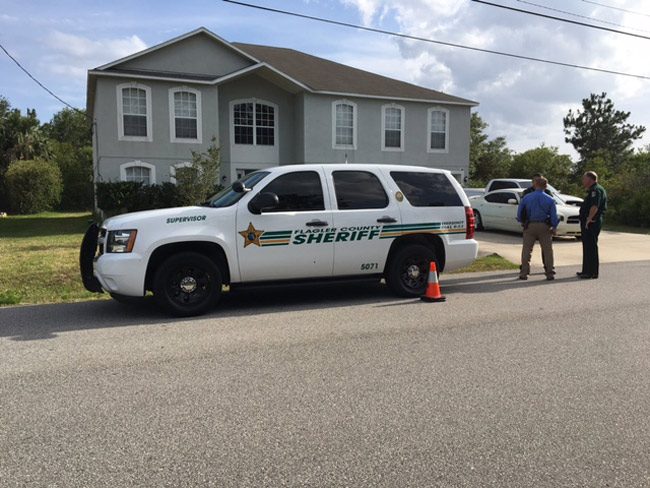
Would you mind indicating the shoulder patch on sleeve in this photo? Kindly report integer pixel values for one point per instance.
(593, 193)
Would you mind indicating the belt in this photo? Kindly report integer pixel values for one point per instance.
(537, 221)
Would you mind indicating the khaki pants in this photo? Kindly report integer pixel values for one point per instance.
(537, 231)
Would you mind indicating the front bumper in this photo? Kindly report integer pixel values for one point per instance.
(123, 274)
(568, 229)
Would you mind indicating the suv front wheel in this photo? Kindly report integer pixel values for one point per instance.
(408, 270)
(187, 284)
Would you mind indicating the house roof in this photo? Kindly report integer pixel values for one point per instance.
(295, 69)
(323, 75)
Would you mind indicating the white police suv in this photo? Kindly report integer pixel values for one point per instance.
(288, 223)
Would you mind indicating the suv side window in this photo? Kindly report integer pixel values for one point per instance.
(427, 189)
(501, 185)
(300, 191)
(358, 190)
(500, 197)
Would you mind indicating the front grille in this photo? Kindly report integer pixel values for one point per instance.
(573, 220)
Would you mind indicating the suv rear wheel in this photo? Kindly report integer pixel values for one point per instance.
(408, 270)
(187, 284)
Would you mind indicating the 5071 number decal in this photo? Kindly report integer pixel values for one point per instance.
(369, 266)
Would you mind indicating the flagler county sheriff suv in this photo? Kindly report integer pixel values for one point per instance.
(288, 223)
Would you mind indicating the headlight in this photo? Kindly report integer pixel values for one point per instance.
(121, 240)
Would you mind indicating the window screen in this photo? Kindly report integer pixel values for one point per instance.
(138, 174)
(298, 192)
(427, 189)
(185, 115)
(358, 190)
(393, 128)
(243, 123)
(344, 124)
(134, 112)
(438, 135)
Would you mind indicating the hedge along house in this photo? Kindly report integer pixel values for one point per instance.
(265, 106)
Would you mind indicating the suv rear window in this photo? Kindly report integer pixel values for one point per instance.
(502, 185)
(358, 190)
(427, 189)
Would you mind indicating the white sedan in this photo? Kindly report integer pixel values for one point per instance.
(498, 210)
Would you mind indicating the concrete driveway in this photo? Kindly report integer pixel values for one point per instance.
(614, 247)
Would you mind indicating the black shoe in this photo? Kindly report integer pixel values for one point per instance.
(550, 278)
(523, 278)
(587, 277)
(579, 274)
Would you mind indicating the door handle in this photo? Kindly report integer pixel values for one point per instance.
(317, 223)
(386, 220)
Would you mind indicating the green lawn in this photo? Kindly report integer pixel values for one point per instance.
(39, 258)
(493, 262)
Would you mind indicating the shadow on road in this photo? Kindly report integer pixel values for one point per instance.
(37, 322)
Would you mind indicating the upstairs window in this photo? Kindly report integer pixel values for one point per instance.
(134, 112)
(393, 128)
(344, 118)
(254, 123)
(438, 130)
(185, 115)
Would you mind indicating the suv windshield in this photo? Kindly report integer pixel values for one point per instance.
(228, 197)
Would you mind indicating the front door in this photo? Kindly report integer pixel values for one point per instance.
(287, 242)
(361, 208)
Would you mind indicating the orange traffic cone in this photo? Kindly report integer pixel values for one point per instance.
(433, 293)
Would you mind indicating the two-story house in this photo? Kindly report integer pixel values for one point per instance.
(265, 106)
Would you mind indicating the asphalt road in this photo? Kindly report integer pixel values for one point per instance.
(507, 384)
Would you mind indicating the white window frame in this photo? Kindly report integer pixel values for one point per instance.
(402, 127)
(172, 116)
(254, 101)
(174, 167)
(120, 113)
(131, 164)
(353, 146)
(429, 112)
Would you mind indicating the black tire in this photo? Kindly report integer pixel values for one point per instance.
(478, 220)
(187, 284)
(408, 270)
(127, 300)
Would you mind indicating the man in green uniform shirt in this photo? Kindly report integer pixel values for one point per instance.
(591, 220)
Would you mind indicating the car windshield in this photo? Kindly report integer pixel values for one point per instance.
(228, 196)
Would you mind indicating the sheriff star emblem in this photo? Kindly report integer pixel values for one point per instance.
(251, 236)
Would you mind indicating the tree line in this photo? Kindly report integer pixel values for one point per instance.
(44, 166)
(604, 139)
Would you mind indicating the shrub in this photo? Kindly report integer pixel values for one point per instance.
(76, 168)
(33, 186)
(117, 197)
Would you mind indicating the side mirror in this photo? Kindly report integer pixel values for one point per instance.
(264, 202)
(512, 201)
(239, 187)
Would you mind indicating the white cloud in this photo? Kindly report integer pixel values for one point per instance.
(523, 100)
(70, 54)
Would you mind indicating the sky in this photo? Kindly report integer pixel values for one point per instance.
(520, 100)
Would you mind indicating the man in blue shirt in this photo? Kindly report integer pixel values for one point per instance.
(538, 214)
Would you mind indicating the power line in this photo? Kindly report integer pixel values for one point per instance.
(617, 8)
(434, 41)
(552, 17)
(573, 14)
(38, 82)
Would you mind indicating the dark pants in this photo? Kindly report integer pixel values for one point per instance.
(590, 247)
